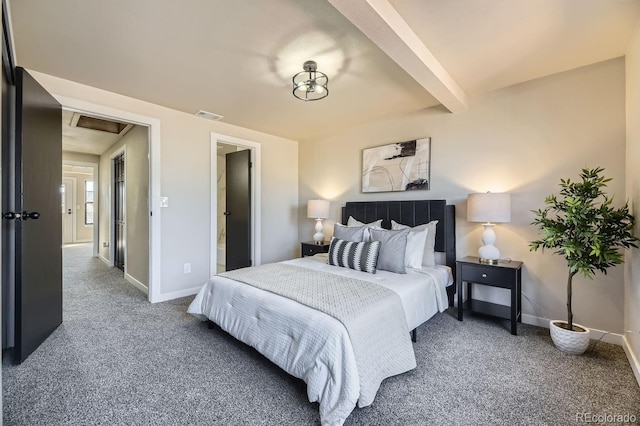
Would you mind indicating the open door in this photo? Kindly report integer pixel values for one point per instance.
(238, 209)
(118, 211)
(32, 215)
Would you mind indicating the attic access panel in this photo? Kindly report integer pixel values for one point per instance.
(99, 124)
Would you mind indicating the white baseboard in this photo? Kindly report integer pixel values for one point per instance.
(600, 335)
(163, 297)
(537, 321)
(104, 259)
(137, 284)
(633, 358)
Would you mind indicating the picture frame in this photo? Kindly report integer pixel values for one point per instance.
(398, 166)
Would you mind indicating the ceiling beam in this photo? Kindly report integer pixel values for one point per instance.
(378, 20)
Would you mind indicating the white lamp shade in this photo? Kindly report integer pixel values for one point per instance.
(489, 207)
(318, 209)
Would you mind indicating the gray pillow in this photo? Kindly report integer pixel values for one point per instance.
(394, 245)
(428, 258)
(349, 233)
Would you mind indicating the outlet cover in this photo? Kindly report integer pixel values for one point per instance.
(187, 268)
(164, 201)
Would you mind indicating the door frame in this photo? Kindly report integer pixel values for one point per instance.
(254, 147)
(73, 209)
(153, 124)
(96, 199)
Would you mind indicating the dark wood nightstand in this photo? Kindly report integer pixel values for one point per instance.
(505, 274)
(309, 248)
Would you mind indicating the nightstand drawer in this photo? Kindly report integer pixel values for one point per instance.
(491, 275)
(311, 248)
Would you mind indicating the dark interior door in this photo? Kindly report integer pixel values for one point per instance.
(238, 213)
(118, 216)
(37, 226)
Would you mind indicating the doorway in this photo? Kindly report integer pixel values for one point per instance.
(221, 146)
(234, 207)
(118, 217)
(84, 202)
(68, 218)
(78, 201)
(152, 211)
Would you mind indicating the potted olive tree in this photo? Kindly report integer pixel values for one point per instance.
(583, 226)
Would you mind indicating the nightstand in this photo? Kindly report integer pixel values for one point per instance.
(505, 274)
(309, 248)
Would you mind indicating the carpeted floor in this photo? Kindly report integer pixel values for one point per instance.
(119, 360)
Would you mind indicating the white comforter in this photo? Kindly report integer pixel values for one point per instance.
(307, 343)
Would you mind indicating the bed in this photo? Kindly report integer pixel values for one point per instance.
(334, 356)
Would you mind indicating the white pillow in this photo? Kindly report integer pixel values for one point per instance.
(428, 257)
(376, 224)
(414, 253)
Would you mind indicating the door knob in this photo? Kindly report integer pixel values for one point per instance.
(33, 215)
(11, 216)
(226, 213)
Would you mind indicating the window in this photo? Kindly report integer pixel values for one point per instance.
(88, 202)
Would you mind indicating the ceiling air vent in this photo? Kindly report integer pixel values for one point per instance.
(99, 124)
(208, 115)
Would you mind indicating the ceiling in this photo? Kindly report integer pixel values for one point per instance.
(85, 140)
(383, 57)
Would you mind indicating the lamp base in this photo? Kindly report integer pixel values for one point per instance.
(318, 237)
(488, 253)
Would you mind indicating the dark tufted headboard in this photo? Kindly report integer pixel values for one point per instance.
(412, 213)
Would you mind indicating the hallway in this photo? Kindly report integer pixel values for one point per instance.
(89, 282)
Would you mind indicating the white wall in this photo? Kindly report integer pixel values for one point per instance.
(185, 179)
(80, 157)
(632, 281)
(522, 140)
(136, 147)
(137, 187)
(222, 199)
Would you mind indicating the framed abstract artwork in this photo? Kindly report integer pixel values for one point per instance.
(400, 166)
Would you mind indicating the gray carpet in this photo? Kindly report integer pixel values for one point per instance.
(119, 360)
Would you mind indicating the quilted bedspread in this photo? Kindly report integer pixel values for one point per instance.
(373, 316)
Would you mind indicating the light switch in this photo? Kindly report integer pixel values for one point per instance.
(164, 201)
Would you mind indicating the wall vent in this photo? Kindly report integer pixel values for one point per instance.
(208, 115)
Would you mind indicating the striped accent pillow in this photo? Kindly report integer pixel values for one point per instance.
(360, 256)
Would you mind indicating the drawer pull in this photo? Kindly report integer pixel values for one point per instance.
(484, 275)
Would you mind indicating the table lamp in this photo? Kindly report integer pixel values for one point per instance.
(489, 207)
(318, 210)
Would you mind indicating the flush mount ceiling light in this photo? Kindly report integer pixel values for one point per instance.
(310, 84)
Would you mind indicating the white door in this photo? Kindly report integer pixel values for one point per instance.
(67, 210)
